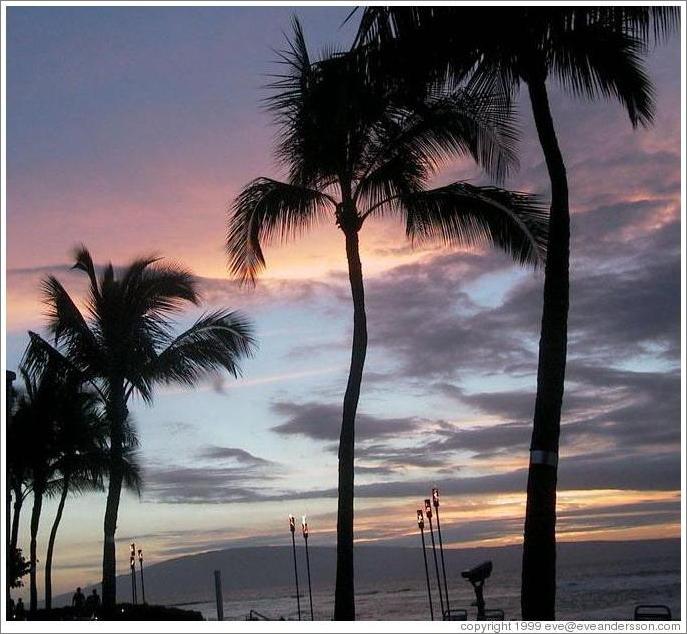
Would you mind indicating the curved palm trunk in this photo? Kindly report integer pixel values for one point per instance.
(109, 528)
(8, 554)
(35, 520)
(18, 503)
(118, 413)
(51, 544)
(538, 599)
(344, 603)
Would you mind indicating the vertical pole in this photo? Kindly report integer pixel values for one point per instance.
(421, 524)
(218, 595)
(132, 564)
(292, 528)
(307, 563)
(435, 501)
(428, 513)
(140, 563)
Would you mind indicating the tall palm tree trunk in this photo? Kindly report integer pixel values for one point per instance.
(109, 528)
(35, 520)
(18, 502)
(118, 415)
(538, 598)
(51, 543)
(344, 604)
(10, 553)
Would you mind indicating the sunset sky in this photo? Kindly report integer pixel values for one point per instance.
(132, 130)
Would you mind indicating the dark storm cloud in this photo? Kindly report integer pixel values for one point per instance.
(399, 459)
(243, 482)
(198, 485)
(629, 410)
(214, 452)
(319, 421)
(422, 314)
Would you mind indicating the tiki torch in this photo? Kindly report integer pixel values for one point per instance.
(435, 503)
(292, 528)
(421, 525)
(132, 564)
(140, 564)
(307, 562)
(428, 513)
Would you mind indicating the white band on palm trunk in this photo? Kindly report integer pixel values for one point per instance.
(538, 456)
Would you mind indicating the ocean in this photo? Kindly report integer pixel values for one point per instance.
(586, 591)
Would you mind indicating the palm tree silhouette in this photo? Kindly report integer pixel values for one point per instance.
(125, 344)
(18, 486)
(82, 461)
(352, 153)
(592, 52)
(18, 475)
(37, 412)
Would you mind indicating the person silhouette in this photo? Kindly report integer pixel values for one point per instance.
(19, 611)
(78, 601)
(93, 602)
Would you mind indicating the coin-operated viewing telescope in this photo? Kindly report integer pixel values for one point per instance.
(477, 576)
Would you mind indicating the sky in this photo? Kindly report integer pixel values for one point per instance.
(131, 130)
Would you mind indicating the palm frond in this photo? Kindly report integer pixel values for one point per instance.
(268, 209)
(643, 22)
(67, 325)
(151, 286)
(84, 262)
(441, 128)
(40, 354)
(596, 62)
(466, 215)
(133, 477)
(219, 339)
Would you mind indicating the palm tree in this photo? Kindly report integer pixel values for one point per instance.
(125, 344)
(36, 414)
(18, 488)
(351, 153)
(593, 52)
(18, 477)
(82, 461)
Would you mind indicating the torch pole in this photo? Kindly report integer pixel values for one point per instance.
(292, 527)
(435, 501)
(428, 513)
(307, 563)
(132, 564)
(421, 524)
(140, 563)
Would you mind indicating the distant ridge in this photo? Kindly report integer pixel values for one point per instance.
(189, 579)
